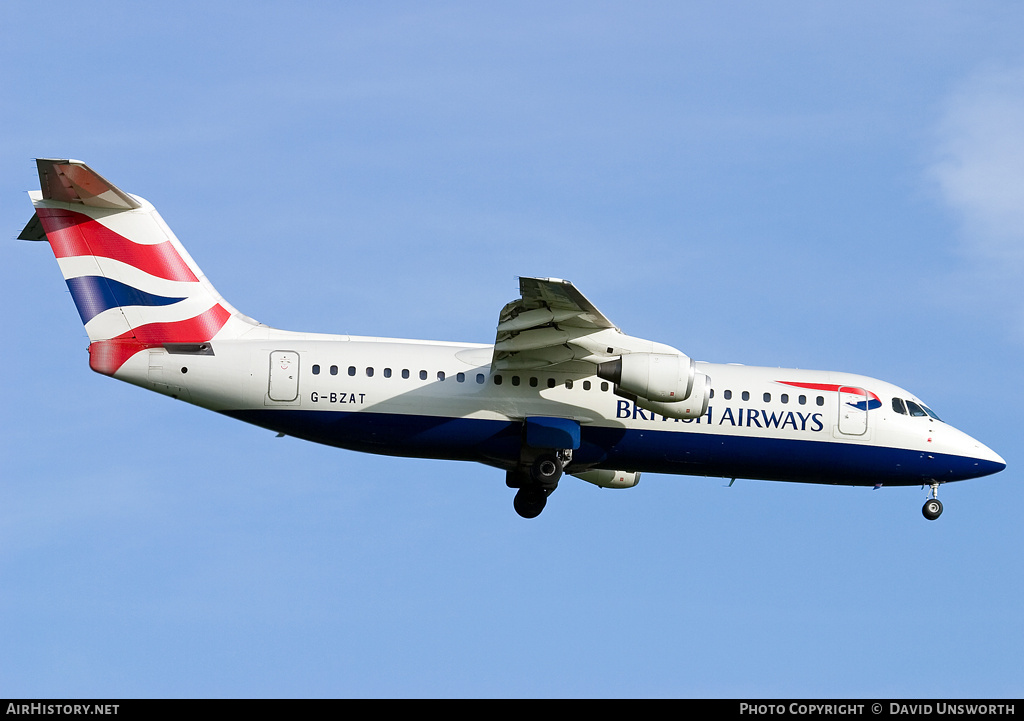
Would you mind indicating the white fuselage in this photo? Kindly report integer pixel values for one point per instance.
(442, 400)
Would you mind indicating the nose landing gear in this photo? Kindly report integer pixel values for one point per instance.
(933, 506)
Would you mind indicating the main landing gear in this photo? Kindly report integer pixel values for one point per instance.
(933, 506)
(537, 482)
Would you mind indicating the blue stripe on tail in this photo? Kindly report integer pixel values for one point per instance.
(94, 294)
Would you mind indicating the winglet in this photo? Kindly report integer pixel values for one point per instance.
(72, 181)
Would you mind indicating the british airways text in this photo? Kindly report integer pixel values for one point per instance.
(742, 417)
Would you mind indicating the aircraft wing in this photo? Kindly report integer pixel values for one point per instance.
(552, 323)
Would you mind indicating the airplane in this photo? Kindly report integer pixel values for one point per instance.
(560, 390)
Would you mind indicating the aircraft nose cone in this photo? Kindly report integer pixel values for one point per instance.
(968, 458)
(986, 461)
(994, 459)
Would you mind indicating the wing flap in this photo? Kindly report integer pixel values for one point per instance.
(533, 339)
(532, 318)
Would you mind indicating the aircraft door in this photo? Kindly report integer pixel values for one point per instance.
(853, 411)
(284, 375)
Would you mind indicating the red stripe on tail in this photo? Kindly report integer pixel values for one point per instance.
(106, 356)
(73, 234)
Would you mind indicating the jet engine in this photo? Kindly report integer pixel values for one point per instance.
(610, 479)
(660, 377)
(655, 376)
(694, 406)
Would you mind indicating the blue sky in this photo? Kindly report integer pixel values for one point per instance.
(784, 184)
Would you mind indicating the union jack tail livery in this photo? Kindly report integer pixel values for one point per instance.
(133, 283)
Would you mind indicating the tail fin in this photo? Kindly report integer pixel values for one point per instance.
(133, 283)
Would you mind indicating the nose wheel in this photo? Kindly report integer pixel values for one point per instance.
(933, 506)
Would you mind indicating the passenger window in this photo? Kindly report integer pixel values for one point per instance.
(727, 395)
(369, 372)
(533, 382)
(405, 372)
(423, 375)
(497, 379)
(551, 383)
(460, 377)
(387, 372)
(897, 405)
(568, 384)
(802, 400)
(515, 380)
(480, 378)
(334, 370)
(784, 398)
(440, 375)
(767, 397)
(915, 410)
(746, 395)
(586, 385)
(351, 370)
(820, 400)
(316, 370)
(604, 386)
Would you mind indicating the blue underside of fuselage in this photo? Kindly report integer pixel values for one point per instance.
(499, 443)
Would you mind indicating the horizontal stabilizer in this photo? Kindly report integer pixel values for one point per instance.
(33, 230)
(72, 181)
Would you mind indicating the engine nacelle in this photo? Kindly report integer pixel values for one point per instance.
(660, 377)
(610, 479)
(695, 406)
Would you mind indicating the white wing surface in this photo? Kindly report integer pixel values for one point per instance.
(553, 323)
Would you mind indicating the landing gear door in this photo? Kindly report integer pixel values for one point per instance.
(284, 376)
(853, 411)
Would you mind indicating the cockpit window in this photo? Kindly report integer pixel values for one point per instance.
(915, 410)
(897, 405)
(930, 412)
